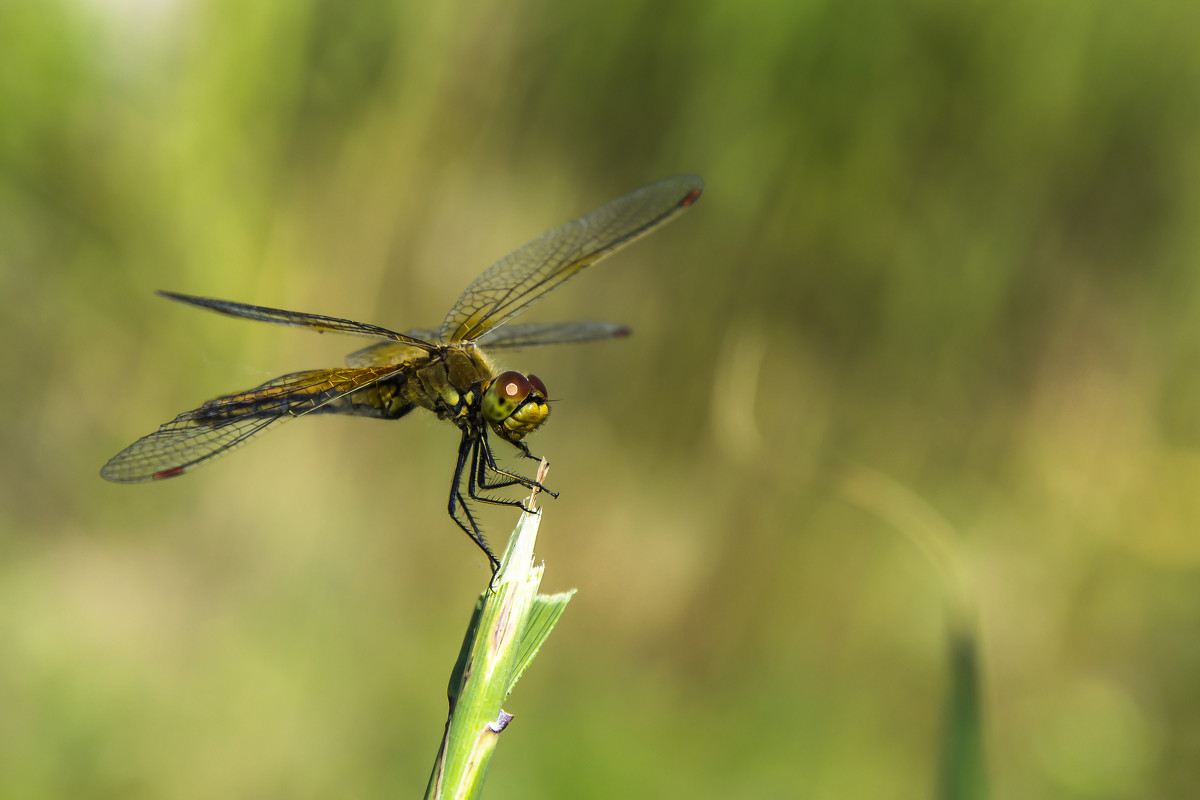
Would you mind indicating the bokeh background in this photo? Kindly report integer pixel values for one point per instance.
(925, 358)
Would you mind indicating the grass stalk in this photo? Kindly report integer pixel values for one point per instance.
(508, 626)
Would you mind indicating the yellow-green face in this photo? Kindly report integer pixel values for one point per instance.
(515, 405)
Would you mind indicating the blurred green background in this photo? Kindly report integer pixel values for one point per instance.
(926, 350)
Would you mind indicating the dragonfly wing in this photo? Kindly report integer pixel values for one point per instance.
(316, 322)
(424, 334)
(226, 423)
(383, 354)
(508, 337)
(539, 266)
(532, 334)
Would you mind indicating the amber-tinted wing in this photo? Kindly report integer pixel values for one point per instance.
(316, 322)
(226, 423)
(386, 354)
(539, 266)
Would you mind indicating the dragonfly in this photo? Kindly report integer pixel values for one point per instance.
(443, 371)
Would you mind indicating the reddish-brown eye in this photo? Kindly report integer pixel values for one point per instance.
(538, 386)
(513, 387)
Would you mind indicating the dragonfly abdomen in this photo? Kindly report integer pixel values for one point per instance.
(290, 396)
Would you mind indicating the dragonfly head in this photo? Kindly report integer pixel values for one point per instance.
(515, 405)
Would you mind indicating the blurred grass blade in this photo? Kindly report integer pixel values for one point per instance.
(963, 770)
(507, 627)
(963, 773)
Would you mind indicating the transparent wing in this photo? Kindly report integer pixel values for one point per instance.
(226, 423)
(509, 337)
(316, 322)
(532, 334)
(539, 266)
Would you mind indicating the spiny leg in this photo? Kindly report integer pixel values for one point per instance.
(513, 477)
(467, 451)
(477, 479)
(477, 535)
(524, 448)
(488, 464)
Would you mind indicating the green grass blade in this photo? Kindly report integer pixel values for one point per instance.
(507, 627)
(547, 608)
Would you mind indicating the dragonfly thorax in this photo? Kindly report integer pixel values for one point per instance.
(515, 405)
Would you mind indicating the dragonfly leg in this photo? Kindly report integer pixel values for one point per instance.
(524, 448)
(467, 452)
(526, 482)
(488, 464)
(481, 464)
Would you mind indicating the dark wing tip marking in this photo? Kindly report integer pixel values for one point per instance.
(691, 197)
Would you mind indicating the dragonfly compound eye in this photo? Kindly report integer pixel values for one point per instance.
(505, 394)
(538, 386)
